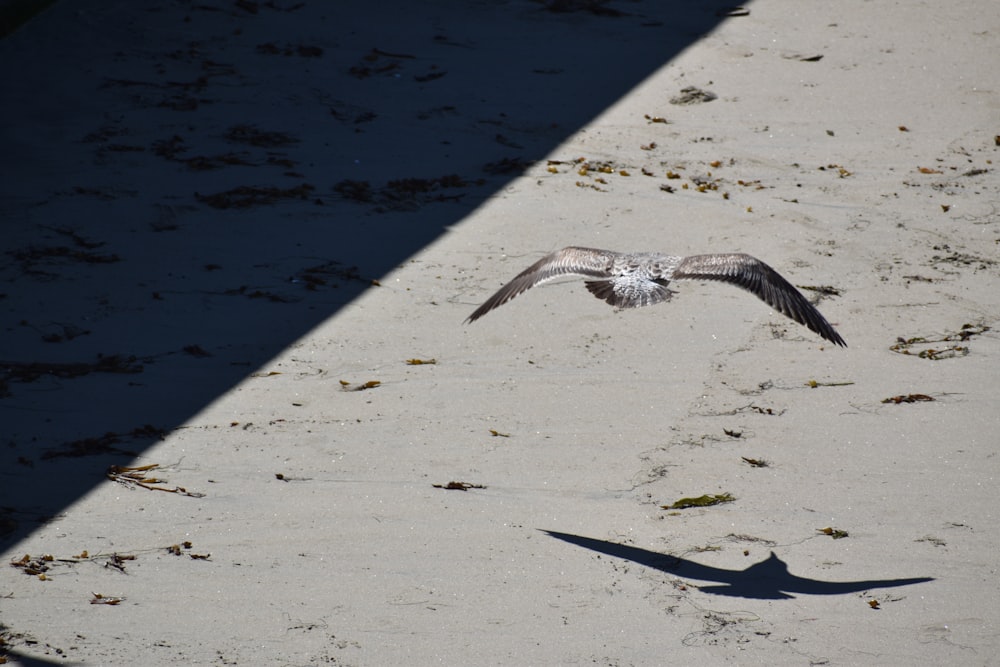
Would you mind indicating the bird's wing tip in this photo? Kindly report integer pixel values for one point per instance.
(836, 339)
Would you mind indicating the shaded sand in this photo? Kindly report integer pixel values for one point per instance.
(204, 198)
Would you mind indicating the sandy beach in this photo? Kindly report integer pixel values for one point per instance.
(245, 423)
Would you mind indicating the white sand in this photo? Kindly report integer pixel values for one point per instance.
(566, 556)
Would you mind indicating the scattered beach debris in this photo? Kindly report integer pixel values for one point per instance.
(133, 476)
(706, 500)
(960, 259)
(245, 196)
(175, 549)
(28, 371)
(458, 486)
(352, 114)
(908, 398)
(821, 291)
(814, 384)
(172, 148)
(330, 274)
(300, 50)
(508, 165)
(105, 444)
(693, 95)
(498, 434)
(932, 352)
(62, 331)
(706, 549)
(252, 136)
(835, 533)
(250, 293)
(371, 384)
(211, 162)
(185, 548)
(35, 567)
(106, 599)
(282, 477)
(39, 566)
(117, 561)
(842, 172)
(756, 463)
(406, 194)
(420, 362)
(378, 61)
(33, 258)
(734, 537)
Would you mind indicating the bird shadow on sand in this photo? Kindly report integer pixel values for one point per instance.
(767, 580)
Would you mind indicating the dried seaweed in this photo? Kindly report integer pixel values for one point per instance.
(347, 386)
(249, 134)
(458, 486)
(706, 500)
(104, 444)
(934, 352)
(29, 371)
(405, 193)
(135, 476)
(908, 398)
(835, 533)
(246, 196)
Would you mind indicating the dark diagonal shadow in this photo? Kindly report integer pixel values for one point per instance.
(190, 187)
(766, 580)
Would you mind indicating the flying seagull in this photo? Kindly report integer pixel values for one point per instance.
(634, 279)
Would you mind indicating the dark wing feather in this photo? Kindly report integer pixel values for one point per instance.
(760, 279)
(572, 261)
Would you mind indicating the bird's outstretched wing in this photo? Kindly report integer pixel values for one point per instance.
(760, 279)
(572, 261)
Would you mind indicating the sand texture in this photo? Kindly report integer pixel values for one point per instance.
(244, 424)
